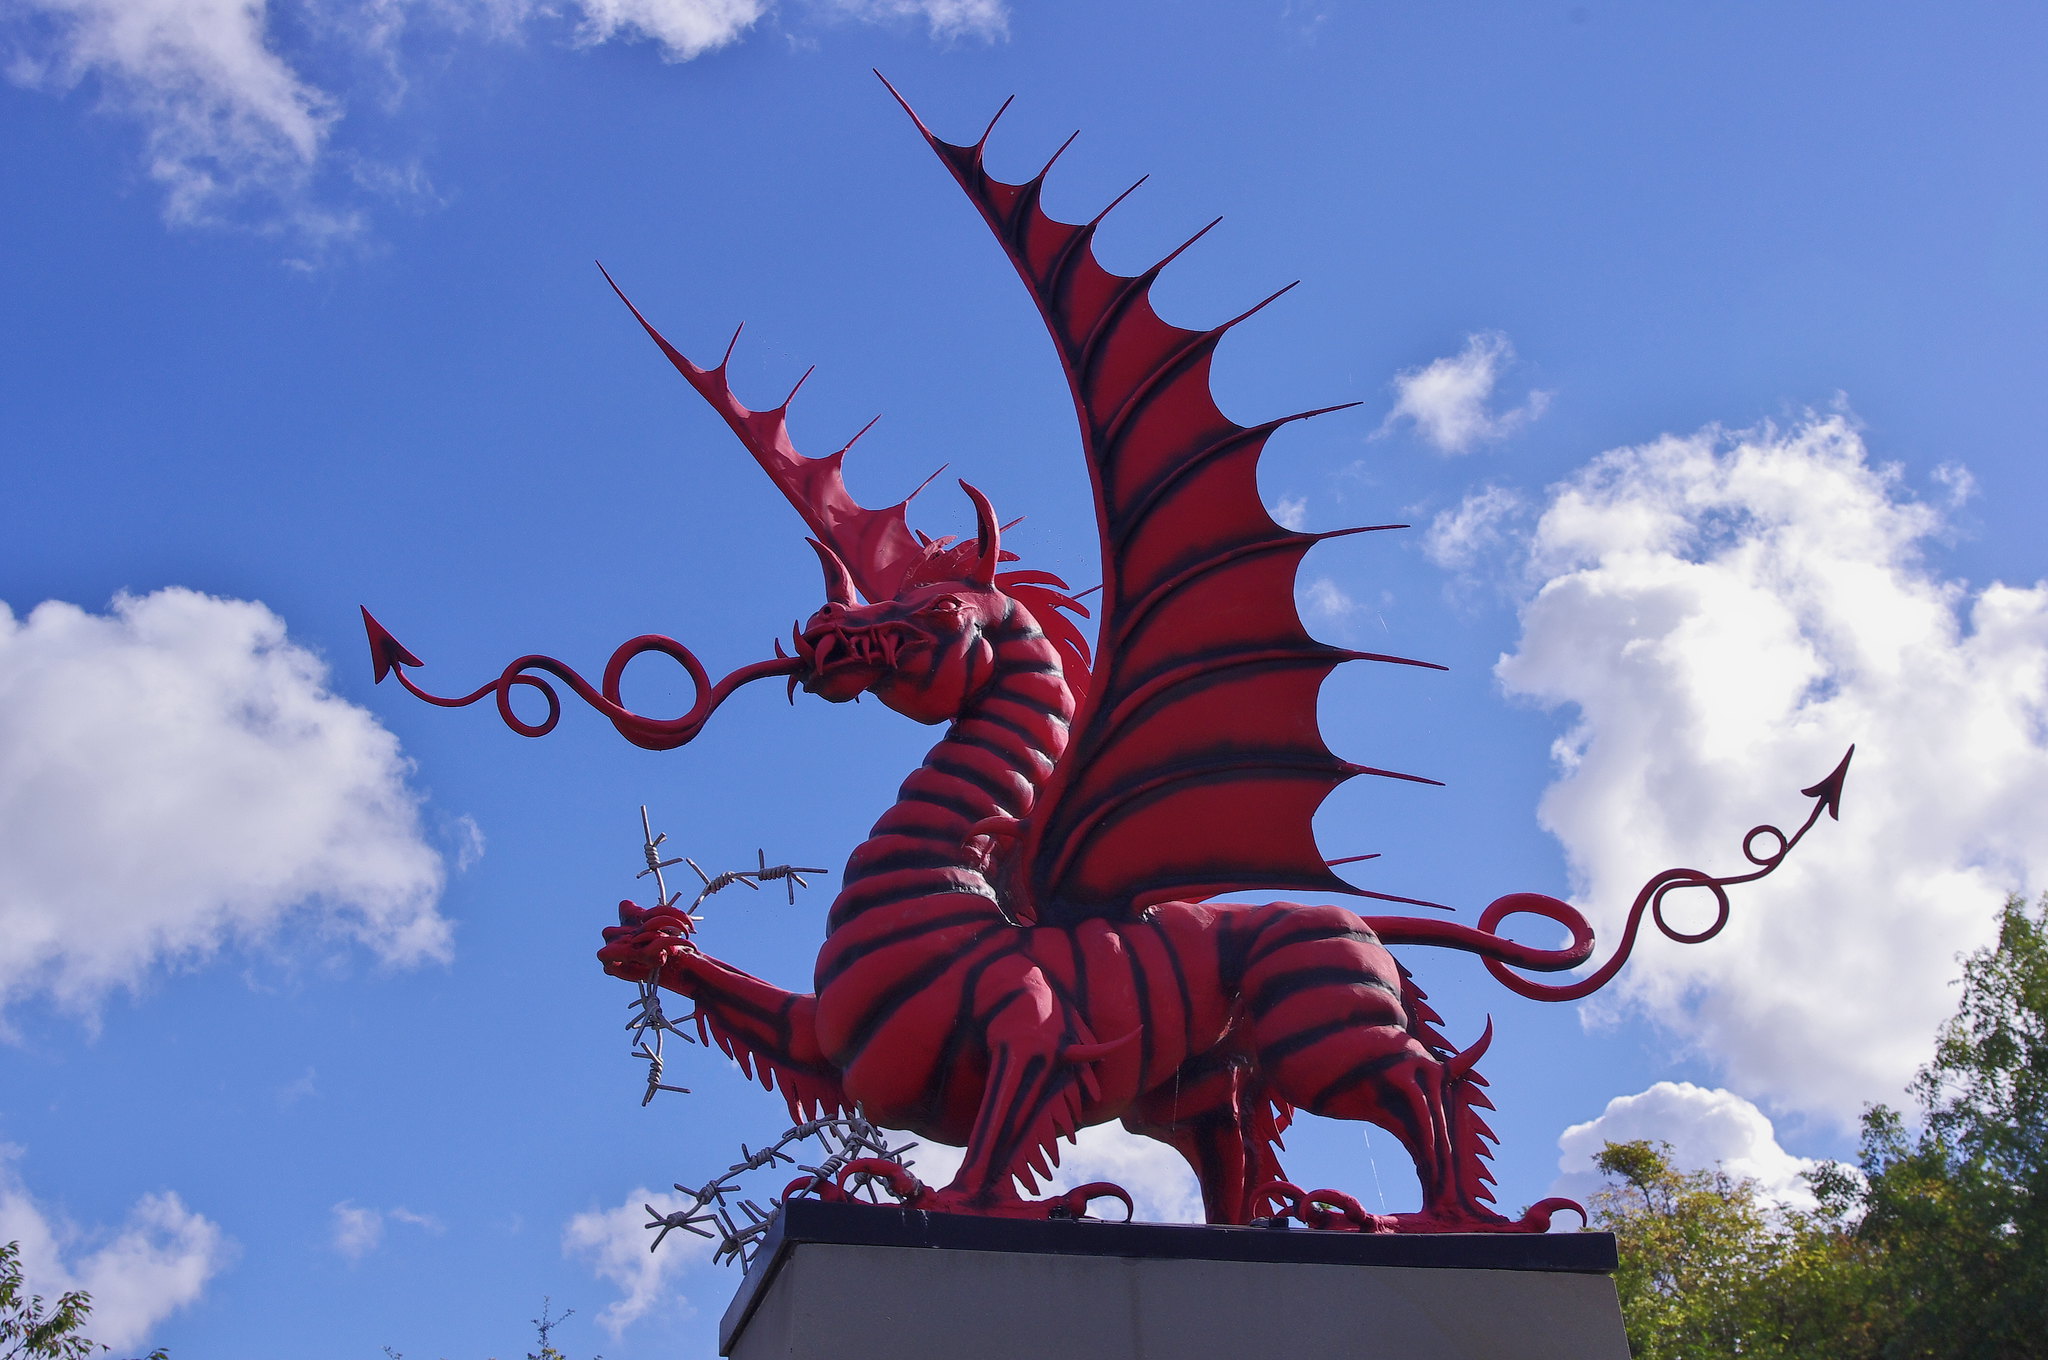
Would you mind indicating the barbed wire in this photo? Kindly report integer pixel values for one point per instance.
(845, 1139)
(715, 1210)
(648, 1025)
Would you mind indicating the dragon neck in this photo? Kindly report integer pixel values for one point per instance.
(994, 759)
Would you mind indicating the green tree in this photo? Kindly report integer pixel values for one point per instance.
(1955, 1214)
(1709, 1268)
(32, 1330)
(1935, 1247)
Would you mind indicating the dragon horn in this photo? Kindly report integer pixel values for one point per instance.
(989, 538)
(838, 580)
(875, 545)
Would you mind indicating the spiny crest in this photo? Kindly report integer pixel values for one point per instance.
(877, 550)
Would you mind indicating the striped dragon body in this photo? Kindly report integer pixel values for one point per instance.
(1202, 1024)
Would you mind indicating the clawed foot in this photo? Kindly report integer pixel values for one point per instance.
(1335, 1211)
(911, 1193)
(643, 939)
(1329, 1210)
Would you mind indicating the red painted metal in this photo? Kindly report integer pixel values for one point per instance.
(1024, 945)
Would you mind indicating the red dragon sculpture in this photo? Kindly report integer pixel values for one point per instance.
(1024, 946)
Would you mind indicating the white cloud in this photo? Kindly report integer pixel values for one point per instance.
(1458, 537)
(1724, 614)
(223, 114)
(159, 1261)
(615, 1243)
(946, 19)
(684, 28)
(1159, 1180)
(1323, 599)
(358, 1231)
(235, 133)
(177, 777)
(1704, 1127)
(1291, 512)
(1450, 400)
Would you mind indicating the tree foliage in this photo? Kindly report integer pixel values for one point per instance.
(1935, 1245)
(33, 1330)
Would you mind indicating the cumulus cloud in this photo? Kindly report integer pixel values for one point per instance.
(614, 1243)
(175, 776)
(157, 1262)
(235, 133)
(683, 28)
(1291, 512)
(1322, 599)
(1704, 1127)
(945, 19)
(1722, 614)
(358, 1231)
(223, 114)
(1450, 401)
(1459, 537)
(1160, 1182)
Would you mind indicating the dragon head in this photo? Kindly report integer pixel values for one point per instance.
(924, 651)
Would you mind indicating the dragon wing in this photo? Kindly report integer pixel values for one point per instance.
(1196, 764)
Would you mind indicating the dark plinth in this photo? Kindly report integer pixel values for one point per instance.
(853, 1281)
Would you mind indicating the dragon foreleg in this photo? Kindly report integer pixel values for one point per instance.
(769, 1031)
(1040, 1055)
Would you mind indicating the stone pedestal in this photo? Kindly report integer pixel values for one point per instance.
(862, 1282)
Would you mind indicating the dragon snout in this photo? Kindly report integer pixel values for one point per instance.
(847, 659)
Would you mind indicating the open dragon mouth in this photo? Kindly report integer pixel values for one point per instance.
(846, 661)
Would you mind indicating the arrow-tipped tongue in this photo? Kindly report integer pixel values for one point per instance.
(1829, 790)
(386, 651)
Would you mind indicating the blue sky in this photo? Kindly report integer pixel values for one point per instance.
(1701, 344)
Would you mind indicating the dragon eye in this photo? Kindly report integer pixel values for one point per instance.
(945, 604)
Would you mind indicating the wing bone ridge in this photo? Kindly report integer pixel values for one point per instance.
(1135, 286)
(1160, 593)
(1134, 516)
(1310, 653)
(1175, 364)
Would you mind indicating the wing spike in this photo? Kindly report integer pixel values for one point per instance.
(799, 387)
(1096, 220)
(730, 345)
(906, 105)
(923, 484)
(1055, 156)
(1351, 859)
(1394, 660)
(1180, 249)
(843, 448)
(1404, 901)
(1357, 529)
(1309, 415)
(1350, 769)
(992, 127)
(1257, 307)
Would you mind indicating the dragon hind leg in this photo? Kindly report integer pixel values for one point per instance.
(1340, 1030)
(1217, 1113)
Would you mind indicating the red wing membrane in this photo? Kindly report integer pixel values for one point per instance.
(1196, 764)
